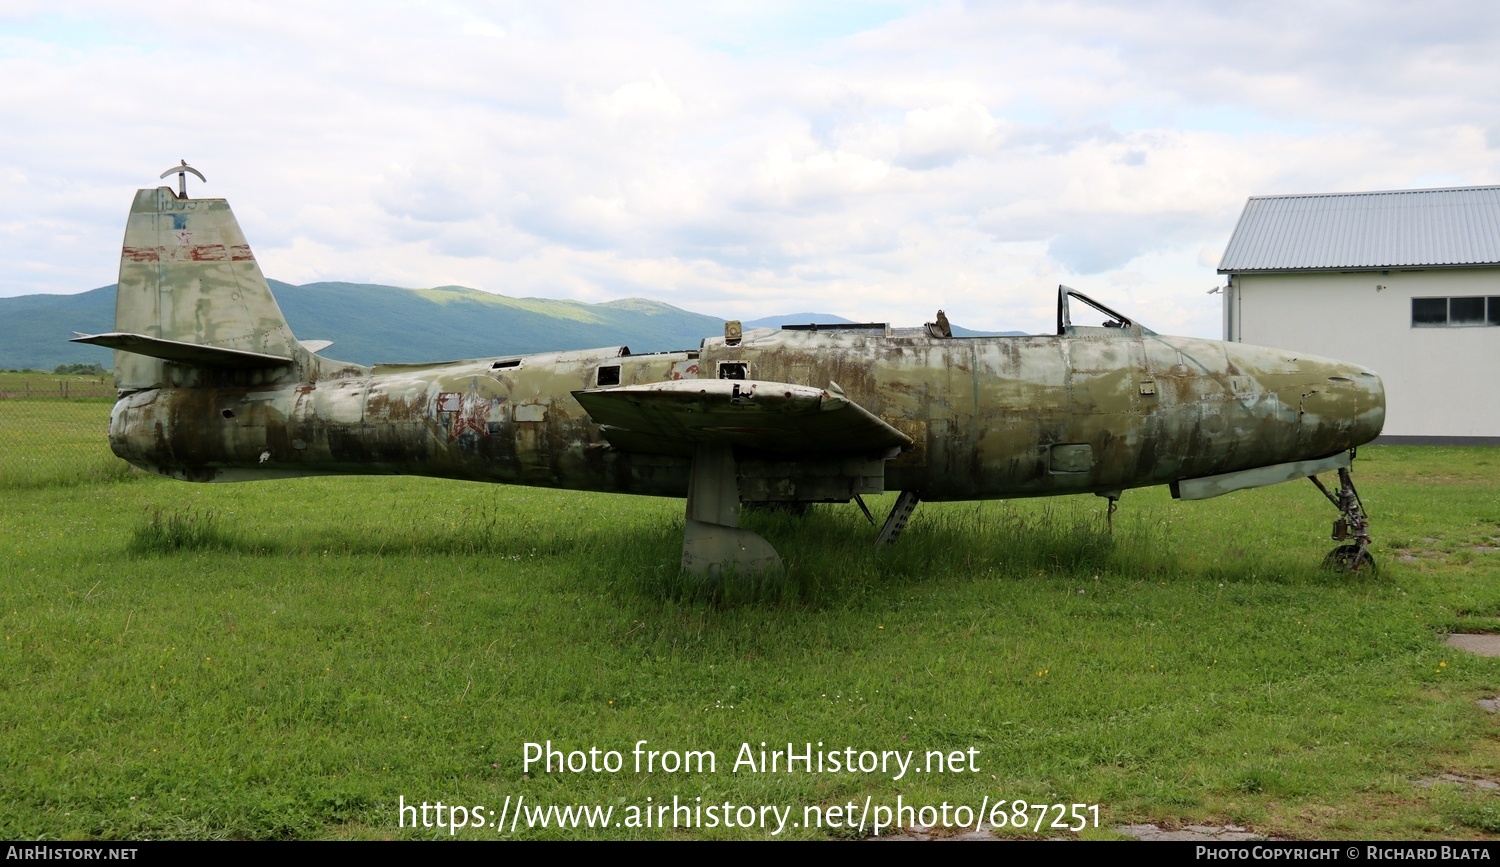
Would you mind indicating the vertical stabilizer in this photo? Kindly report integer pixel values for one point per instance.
(187, 275)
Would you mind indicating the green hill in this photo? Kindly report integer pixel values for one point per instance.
(34, 329)
(369, 323)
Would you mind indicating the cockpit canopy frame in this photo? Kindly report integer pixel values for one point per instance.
(1113, 318)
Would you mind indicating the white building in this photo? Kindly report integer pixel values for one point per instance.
(1405, 282)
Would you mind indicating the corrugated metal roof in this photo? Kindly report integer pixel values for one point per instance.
(1456, 226)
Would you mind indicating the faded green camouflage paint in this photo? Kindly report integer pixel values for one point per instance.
(986, 412)
(1092, 409)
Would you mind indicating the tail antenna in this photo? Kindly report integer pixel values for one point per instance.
(182, 173)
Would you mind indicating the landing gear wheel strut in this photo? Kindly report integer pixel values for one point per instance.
(1114, 502)
(1352, 527)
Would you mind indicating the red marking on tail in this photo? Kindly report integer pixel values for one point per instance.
(192, 253)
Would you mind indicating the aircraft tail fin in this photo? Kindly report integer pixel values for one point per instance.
(191, 294)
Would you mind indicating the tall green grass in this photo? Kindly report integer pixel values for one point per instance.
(288, 659)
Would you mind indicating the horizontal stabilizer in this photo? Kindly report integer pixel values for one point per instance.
(672, 417)
(315, 346)
(183, 353)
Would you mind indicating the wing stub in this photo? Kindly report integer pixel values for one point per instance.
(672, 417)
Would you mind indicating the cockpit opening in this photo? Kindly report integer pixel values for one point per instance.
(1090, 310)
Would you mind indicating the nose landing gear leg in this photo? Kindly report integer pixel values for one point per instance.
(1352, 528)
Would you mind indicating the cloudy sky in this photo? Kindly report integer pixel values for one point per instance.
(878, 160)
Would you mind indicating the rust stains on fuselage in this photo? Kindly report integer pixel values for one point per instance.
(1094, 409)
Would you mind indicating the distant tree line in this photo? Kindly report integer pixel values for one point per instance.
(66, 370)
(81, 369)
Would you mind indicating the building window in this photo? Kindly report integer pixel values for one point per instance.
(1455, 312)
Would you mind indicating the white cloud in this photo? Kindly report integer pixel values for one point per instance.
(873, 160)
(941, 135)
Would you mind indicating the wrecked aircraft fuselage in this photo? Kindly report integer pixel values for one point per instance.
(987, 417)
(215, 388)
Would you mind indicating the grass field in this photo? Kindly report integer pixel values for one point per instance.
(292, 659)
(44, 384)
(53, 441)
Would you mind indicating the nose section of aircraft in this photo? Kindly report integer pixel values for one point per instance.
(1340, 405)
(1306, 407)
(1369, 417)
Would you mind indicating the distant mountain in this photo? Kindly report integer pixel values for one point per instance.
(795, 319)
(370, 323)
(34, 329)
(965, 332)
(830, 319)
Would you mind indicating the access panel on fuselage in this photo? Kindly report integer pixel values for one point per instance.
(1106, 374)
(1018, 409)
